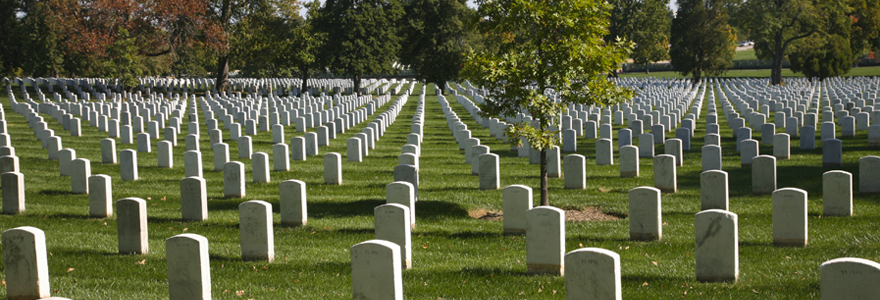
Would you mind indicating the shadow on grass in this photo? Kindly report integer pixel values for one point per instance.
(475, 234)
(73, 216)
(343, 209)
(56, 192)
(486, 272)
(357, 230)
(432, 210)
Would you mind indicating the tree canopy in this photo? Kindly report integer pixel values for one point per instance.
(361, 36)
(702, 39)
(557, 48)
(434, 38)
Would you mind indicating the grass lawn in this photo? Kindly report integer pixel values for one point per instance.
(454, 255)
(765, 73)
(748, 54)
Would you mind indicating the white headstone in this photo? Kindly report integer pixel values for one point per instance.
(233, 180)
(193, 199)
(593, 273)
(545, 240)
(714, 190)
(293, 202)
(717, 251)
(645, 219)
(333, 168)
(393, 225)
(131, 226)
(516, 201)
(25, 263)
(255, 231)
(376, 270)
(100, 196)
(189, 271)
(790, 217)
(849, 278)
(837, 193)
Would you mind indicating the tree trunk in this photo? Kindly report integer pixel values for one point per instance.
(304, 76)
(357, 85)
(545, 192)
(776, 72)
(222, 73)
(223, 62)
(697, 76)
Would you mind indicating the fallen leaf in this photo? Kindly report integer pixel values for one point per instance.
(185, 229)
(141, 262)
(580, 244)
(70, 270)
(645, 283)
(654, 262)
(105, 223)
(604, 190)
(424, 246)
(239, 293)
(163, 198)
(149, 198)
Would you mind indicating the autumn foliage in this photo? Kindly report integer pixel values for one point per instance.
(159, 27)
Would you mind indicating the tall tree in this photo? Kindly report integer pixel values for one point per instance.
(703, 43)
(306, 41)
(850, 30)
(361, 36)
(558, 46)
(775, 24)
(434, 38)
(262, 40)
(650, 33)
(98, 31)
(822, 56)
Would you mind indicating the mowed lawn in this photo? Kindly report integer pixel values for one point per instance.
(763, 73)
(455, 256)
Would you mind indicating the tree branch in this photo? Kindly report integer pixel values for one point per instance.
(792, 39)
(160, 53)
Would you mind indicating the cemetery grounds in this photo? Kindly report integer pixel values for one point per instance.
(455, 255)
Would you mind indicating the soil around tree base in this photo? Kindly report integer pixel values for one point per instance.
(585, 214)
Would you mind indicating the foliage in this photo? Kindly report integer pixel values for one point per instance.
(703, 43)
(361, 36)
(124, 63)
(822, 56)
(556, 45)
(306, 42)
(434, 38)
(650, 32)
(775, 24)
(261, 43)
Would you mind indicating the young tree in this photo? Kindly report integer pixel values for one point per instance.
(361, 36)
(702, 40)
(558, 46)
(434, 38)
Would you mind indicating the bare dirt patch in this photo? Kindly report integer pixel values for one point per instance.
(488, 215)
(585, 214)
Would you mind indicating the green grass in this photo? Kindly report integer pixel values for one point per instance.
(454, 255)
(745, 55)
(860, 71)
